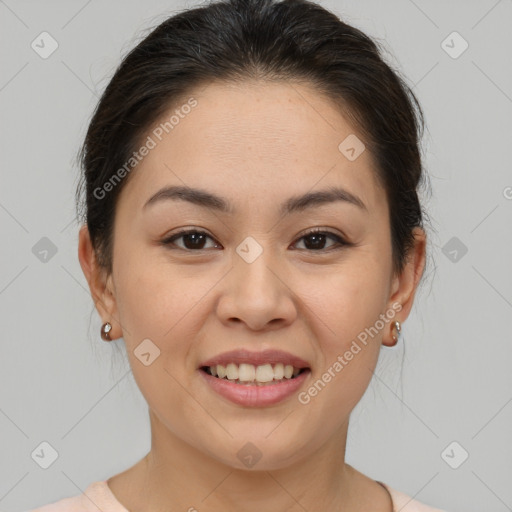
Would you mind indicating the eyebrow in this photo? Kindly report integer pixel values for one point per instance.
(294, 204)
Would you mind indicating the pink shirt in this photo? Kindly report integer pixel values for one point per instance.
(99, 498)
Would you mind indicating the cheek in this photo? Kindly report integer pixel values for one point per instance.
(165, 303)
(151, 295)
(347, 309)
(158, 305)
(345, 302)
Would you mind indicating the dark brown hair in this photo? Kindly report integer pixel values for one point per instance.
(236, 40)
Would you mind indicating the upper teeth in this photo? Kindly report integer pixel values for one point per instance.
(248, 372)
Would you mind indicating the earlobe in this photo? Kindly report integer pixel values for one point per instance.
(396, 329)
(100, 286)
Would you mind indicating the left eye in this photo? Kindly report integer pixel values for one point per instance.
(197, 238)
(318, 237)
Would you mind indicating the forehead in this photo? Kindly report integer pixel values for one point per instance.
(253, 140)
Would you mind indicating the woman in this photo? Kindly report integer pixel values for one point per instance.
(252, 231)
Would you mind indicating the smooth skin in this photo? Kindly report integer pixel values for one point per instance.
(256, 144)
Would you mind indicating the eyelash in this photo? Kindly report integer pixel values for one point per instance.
(341, 242)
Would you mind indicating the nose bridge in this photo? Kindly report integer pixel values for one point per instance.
(257, 264)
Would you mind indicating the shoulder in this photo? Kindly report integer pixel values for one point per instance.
(405, 503)
(96, 498)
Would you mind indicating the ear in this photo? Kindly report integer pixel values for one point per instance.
(404, 286)
(101, 286)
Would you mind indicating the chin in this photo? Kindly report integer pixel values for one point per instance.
(257, 451)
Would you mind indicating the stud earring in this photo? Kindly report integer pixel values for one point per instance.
(398, 329)
(105, 331)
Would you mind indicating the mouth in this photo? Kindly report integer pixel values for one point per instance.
(255, 379)
(252, 375)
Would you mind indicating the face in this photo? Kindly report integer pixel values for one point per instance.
(252, 276)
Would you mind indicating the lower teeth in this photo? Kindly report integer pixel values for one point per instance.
(255, 383)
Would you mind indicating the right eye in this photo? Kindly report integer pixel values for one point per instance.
(194, 239)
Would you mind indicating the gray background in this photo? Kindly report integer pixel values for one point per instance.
(61, 384)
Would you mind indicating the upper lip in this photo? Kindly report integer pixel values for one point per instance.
(256, 358)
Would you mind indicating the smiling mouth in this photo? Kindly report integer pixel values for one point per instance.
(251, 375)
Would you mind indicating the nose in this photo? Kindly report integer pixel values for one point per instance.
(257, 293)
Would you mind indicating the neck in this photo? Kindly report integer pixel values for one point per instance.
(176, 476)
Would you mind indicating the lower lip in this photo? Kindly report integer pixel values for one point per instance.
(253, 395)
